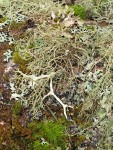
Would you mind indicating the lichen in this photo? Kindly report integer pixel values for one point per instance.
(6, 37)
(8, 55)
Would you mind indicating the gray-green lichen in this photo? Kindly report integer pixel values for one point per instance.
(6, 37)
(8, 55)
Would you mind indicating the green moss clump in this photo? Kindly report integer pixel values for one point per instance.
(38, 146)
(79, 10)
(52, 132)
(55, 132)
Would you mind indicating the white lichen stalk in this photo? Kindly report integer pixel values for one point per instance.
(57, 98)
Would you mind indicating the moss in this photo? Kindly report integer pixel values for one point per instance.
(52, 132)
(79, 10)
(38, 146)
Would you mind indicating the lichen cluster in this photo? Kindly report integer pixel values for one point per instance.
(65, 59)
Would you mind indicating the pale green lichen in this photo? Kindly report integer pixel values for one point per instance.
(20, 18)
(8, 55)
(6, 37)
